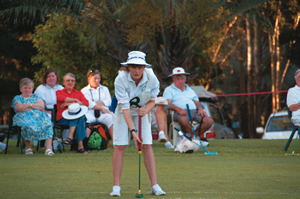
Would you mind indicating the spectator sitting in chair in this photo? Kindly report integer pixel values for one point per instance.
(179, 95)
(30, 116)
(66, 97)
(293, 100)
(99, 100)
(47, 90)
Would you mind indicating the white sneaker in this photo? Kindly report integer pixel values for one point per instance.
(168, 145)
(116, 191)
(2, 146)
(156, 190)
(162, 137)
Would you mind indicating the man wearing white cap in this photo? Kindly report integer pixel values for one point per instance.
(179, 94)
(136, 91)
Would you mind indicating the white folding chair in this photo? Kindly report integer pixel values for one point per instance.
(174, 131)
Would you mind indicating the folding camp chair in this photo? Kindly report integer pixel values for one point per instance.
(12, 128)
(57, 126)
(295, 128)
(173, 131)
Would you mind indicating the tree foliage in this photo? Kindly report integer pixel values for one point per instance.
(168, 31)
(34, 12)
(205, 37)
(64, 43)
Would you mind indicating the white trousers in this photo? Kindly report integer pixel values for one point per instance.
(104, 118)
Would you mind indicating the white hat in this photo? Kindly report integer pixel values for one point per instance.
(137, 58)
(74, 111)
(178, 71)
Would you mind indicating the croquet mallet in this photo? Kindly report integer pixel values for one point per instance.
(190, 139)
(139, 194)
(191, 121)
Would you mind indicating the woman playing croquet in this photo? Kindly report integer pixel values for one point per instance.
(136, 91)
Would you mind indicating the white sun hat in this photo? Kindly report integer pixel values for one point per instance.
(178, 71)
(137, 58)
(74, 111)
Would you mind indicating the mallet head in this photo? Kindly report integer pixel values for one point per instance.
(139, 195)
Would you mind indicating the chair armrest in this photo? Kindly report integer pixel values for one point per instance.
(52, 113)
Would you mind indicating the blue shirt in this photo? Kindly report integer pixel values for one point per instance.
(181, 98)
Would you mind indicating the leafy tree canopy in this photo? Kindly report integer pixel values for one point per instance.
(64, 44)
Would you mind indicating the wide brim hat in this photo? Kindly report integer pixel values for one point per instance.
(136, 58)
(74, 111)
(178, 71)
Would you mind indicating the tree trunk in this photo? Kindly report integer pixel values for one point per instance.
(249, 77)
(257, 80)
(296, 22)
(272, 65)
(243, 120)
(274, 49)
(278, 57)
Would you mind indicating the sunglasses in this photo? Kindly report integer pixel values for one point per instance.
(70, 80)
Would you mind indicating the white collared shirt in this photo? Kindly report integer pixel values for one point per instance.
(48, 94)
(92, 95)
(124, 96)
(293, 97)
(181, 98)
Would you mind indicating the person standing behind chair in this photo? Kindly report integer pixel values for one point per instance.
(293, 99)
(35, 124)
(66, 97)
(134, 88)
(179, 94)
(99, 100)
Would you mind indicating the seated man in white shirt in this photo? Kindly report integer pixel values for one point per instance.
(179, 95)
(293, 99)
(99, 100)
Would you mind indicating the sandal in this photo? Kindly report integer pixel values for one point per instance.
(82, 151)
(49, 152)
(29, 152)
(68, 141)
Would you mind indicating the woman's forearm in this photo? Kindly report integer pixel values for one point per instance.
(101, 108)
(22, 107)
(37, 107)
(68, 99)
(128, 118)
(149, 106)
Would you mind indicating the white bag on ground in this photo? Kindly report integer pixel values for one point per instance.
(186, 146)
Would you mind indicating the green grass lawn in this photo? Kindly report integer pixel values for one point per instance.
(242, 169)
